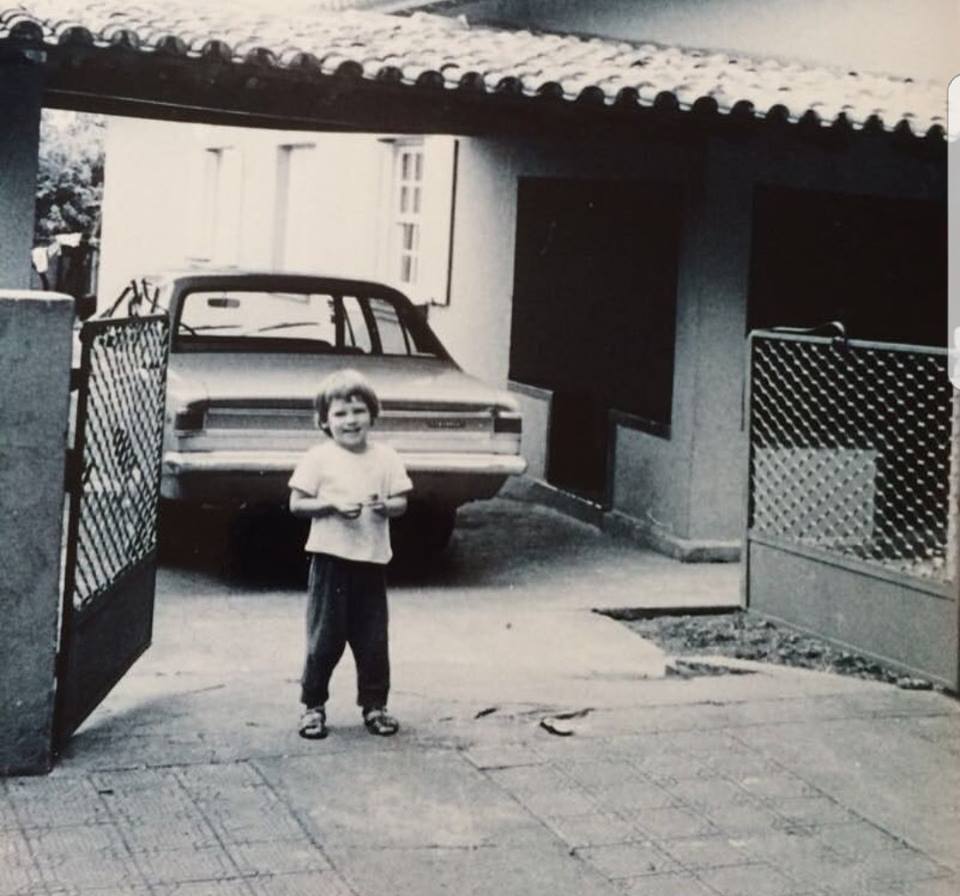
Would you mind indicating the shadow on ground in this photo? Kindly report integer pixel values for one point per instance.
(261, 548)
(494, 544)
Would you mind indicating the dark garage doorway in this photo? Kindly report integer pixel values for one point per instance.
(594, 311)
(877, 265)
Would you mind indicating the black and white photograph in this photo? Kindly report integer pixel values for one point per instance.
(479, 448)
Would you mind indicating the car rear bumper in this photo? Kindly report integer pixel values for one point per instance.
(252, 477)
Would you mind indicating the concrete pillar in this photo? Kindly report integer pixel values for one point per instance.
(35, 350)
(723, 248)
(20, 103)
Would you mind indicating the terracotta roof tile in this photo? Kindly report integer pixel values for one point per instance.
(428, 49)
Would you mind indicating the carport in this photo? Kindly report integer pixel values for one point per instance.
(201, 67)
(344, 71)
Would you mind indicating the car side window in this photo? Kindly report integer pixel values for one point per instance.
(395, 336)
(356, 334)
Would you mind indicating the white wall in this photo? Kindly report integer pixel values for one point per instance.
(311, 202)
(475, 327)
(153, 197)
(915, 38)
(143, 227)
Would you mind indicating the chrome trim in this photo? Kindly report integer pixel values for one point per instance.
(181, 462)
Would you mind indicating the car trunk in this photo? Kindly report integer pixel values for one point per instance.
(252, 401)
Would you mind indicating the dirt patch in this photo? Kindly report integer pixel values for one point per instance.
(746, 637)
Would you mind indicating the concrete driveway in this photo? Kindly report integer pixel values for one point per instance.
(191, 780)
(504, 619)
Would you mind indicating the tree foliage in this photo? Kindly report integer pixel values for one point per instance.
(70, 174)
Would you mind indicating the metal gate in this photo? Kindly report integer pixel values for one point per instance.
(113, 487)
(852, 504)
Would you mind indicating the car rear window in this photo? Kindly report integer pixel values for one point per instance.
(335, 323)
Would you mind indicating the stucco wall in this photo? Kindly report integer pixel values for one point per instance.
(688, 486)
(35, 343)
(535, 406)
(651, 473)
(20, 87)
(872, 166)
(153, 187)
(145, 229)
(475, 327)
(906, 37)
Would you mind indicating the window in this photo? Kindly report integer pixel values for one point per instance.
(269, 315)
(356, 332)
(328, 322)
(419, 203)
(408, 212)
(394, 339)
(221, 206)
(293, 247)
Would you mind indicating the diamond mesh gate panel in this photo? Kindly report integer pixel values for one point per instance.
(851, 451)
(120, 423)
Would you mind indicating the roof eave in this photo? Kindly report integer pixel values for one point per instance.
(214, 88)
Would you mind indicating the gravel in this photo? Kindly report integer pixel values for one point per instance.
(747, 637)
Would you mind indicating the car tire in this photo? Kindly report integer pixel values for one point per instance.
(423, 532)
(172, 534)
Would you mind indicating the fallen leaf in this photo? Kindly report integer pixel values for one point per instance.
(573, 713)
(554, 726)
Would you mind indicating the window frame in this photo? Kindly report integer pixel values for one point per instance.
(407, 215)
(218, 235)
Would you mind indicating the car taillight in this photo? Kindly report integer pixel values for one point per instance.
(188, 421)
(507, 421)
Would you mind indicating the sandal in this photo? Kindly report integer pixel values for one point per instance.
(377, 721)
(313, 723)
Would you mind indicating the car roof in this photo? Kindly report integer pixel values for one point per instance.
(260, 274)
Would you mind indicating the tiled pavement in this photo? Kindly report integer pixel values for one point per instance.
(190, 780)
(718, 812)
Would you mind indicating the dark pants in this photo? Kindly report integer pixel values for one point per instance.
(346, 604)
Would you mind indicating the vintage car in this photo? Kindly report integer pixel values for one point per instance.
(247, 353)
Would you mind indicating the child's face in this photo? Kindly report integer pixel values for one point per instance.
(348, 420)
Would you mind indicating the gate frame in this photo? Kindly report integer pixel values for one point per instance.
(853, 570)
(133, 587)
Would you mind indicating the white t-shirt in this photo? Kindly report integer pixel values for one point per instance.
(337, 474)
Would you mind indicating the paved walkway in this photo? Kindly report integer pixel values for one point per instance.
(190, 779)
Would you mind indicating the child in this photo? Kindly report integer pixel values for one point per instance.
(349, 488)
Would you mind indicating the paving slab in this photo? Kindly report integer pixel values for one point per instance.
(190, 779)
(551, 871)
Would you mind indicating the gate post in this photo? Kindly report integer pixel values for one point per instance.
(20, 104)
(35, 359)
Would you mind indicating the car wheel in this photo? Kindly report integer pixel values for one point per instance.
(423, 532)
(172, 535)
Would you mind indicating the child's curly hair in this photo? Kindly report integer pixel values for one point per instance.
(345, 384)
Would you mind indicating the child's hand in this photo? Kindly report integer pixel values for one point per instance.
(389, 507)
(379, 506)
(348, 509)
